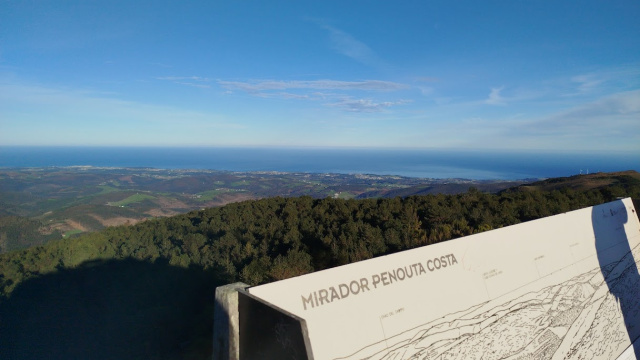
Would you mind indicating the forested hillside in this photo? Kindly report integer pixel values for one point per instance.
(58, 202)
(18, 232)
(149, 288)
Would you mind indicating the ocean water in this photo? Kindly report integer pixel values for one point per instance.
(411, 163)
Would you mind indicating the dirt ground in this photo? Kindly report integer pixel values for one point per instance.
(115, 221)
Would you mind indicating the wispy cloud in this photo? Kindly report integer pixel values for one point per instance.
(193, 81)
(426, 91)
(93, 104)
(365, 105)
(600, 81)
(313, 90)
(201, 86)
(495, 98)
(611, 121)
(77, 115)
(184, 78)
(280, 95)
(267, 85)
(614, 112)
(587, 82)
(351, 47)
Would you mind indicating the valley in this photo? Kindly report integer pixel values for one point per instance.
(73, 200)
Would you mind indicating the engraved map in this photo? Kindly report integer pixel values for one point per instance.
(577, 319)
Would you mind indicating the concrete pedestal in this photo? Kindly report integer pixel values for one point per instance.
(226, 339)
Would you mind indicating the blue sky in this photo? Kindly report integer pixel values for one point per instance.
(513, 75)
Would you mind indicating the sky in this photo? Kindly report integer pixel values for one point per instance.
(506, 75)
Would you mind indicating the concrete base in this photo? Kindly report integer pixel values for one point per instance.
(226, 338)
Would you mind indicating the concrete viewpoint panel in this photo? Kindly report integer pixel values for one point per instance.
(562, 287)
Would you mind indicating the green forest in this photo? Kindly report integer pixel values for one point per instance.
(18, 232)
(146, 291)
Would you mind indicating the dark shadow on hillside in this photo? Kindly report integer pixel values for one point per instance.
(617, 263)
(110, 310)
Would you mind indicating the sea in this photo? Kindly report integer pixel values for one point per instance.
(417, 163)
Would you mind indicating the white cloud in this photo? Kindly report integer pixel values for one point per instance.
(78, 116)
(495, 98)
(266, 85)
(615, 111)
(365, 105)
(184, 78)
(201, 86)
(193, 81)
(351, 47)
(586, 83)
(312, 90)
(426, 91)
(600, 82)
(609, 123)
(281, 95)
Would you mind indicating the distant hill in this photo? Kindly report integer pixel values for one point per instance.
(445, 187)
(585, 182)
(68, 201)
(615, 184)
(576, 182)
(51, 203)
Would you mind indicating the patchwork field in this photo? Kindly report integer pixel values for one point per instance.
(66, 201)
